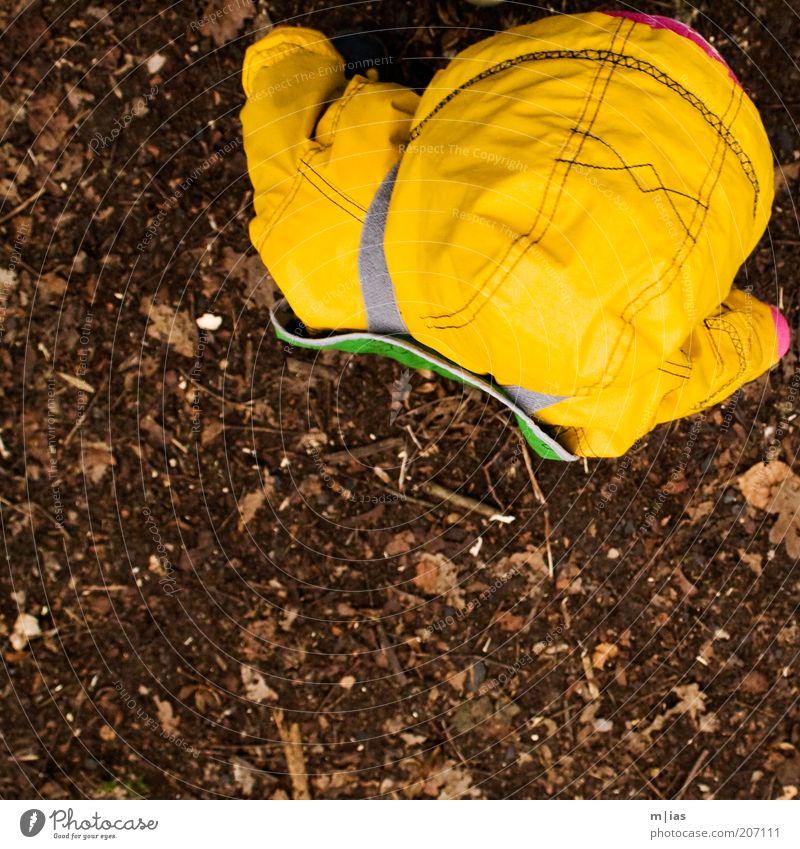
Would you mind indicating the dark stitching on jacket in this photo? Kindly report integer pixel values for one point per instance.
(674, 265)
(328, 197)
(346, 98)
(617, 59)
(681, 376)
(338, 191)
(719, 323)
(545, 194)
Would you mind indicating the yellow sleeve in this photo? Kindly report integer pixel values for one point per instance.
(318, 147)
(290, 77)
(732, 346)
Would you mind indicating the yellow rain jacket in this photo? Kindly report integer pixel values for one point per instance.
(561, 214)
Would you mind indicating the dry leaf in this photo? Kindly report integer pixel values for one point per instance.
(510, 622)
(348, 682)
(288, 618)
(48, 121)
(699, 511)
(223, 22)
(603, 653)
(97, 457)
(259, 287)
(243, 775)
(757, 483)
(256, 687)
(450, 781)
(166, 324)
(54, 283)
(249, 505)
(774, 487)
(691, 702)
(436, 575)
(25, 629)
(166, 716)
(752, 561)
(786, 529)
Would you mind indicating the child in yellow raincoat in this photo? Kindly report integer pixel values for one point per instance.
(557, 219)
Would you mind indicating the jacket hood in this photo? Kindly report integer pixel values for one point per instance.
(582, 188)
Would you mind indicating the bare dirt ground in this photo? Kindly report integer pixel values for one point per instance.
(212, 586)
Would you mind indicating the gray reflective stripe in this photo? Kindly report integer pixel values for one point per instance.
(380, 302)
(531, 401)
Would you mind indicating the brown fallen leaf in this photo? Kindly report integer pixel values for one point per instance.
(436, 575)
(256, 686)
(259, 287)
(687, 587)
(449, 781)
(223, 21)
(691, 702)
(48, 120)
(752, 560)
(166, 715)
(695, 512)
(602, 653)
(97, 457)
(774, 487)
(244, 775)
(510, 622)
(174, 327)
(249, 505)
(755, 683)
(786, 529)
(25, 629)
(758, 482)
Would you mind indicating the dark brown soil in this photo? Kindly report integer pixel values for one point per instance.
(210, 571)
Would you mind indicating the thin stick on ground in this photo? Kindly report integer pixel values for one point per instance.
(537, 491)
(465, 502)
(550, 568)
(19, 207)
(693, 773)
(293, 752)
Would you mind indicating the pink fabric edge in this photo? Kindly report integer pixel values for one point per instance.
(782, 331)
(662, 22)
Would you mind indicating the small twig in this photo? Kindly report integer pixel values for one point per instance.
(238, 405)
(29, 513)
(537, 490)
(653, 788)
(550, 568)
(19, 207)
(365, 450)
(693, 772)
(465, 502)
(388, 651)
(79, 421)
